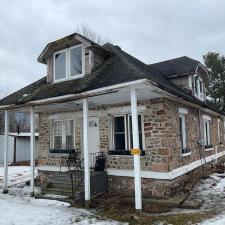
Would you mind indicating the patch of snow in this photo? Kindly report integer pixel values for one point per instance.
(16, 175)
(27, 210)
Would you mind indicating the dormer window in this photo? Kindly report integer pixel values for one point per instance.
(60, 65)
(197, 87)
(69, 63)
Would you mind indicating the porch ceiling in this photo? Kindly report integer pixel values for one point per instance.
(144, 91)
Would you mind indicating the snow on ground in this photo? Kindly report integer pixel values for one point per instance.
(27, 210)
(212, 192)
(16, 208)
(16, 175)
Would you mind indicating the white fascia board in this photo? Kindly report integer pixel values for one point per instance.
(79, 96)
(165, 175)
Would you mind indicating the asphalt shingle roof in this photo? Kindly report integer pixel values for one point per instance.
(118, 67)
(178, 66)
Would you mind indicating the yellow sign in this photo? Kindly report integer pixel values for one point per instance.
(135, 151)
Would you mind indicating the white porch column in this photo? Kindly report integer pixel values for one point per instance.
(86, 152)
(5, 185)
(32, 149)
(136, 145)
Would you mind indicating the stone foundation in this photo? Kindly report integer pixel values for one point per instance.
(161, 188)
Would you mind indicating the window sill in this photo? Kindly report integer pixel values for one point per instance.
(123, 153)
(209, 149)
(61, 151)
(186, 154)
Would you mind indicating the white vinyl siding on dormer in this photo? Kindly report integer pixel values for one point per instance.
(69, 63)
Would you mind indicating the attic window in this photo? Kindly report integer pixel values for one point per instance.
(69, 63)
(60, 65)
(75, 61)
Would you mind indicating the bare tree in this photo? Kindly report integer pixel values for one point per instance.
(86, 31)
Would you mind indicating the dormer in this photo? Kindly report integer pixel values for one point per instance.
(187, 73)
(71, 57)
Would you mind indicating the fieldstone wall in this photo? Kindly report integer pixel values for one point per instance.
(161, 142)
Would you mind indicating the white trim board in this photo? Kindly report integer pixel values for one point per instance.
(165, 175)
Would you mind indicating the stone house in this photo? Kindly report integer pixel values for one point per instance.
(153, 122)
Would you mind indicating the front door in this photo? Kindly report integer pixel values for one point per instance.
(93, 135)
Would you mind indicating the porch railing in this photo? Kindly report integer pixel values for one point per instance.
(77, 174)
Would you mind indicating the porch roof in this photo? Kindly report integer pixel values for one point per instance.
(119, 68)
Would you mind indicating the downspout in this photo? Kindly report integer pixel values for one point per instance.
(200, 141)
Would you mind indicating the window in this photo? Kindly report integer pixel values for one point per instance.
(69, 63)
(198, 87)
(69, 127)
(60, 65)
(119, 133)
(122, 132)
(75, 61)
(219, 139)
(57, 134)
(182, 132)
(206, 128)
(63, 134)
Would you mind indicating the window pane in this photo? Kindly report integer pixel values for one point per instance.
(76, 61)
(69, 142)
(69, 124)
(60, 65)
(196, 85)
(200, 84)
(58, 142)
(119, 124)
(57, 126)
(120, 141)
(181, 134)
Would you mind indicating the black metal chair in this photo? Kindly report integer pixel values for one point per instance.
(71, 161)
(100, 162)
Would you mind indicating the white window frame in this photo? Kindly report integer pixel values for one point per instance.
(73, 131)
(53, 133)
(113, 131)
(63, 132)
(218, 131)
(127, 131)
(183, 127)
(142, 131)
(68, 64)
(83, 62)
(66, 56)
(206, 121)
(198, 94)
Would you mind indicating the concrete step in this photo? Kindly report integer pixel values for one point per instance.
(63, 184)
(62, 191)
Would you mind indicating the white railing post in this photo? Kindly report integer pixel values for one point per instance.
(136, 145)
(86, 153)
(32, 149)
(5, 185)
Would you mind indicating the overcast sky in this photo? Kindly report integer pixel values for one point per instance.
(151, 30)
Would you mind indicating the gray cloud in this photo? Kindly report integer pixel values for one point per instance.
(151, 30)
